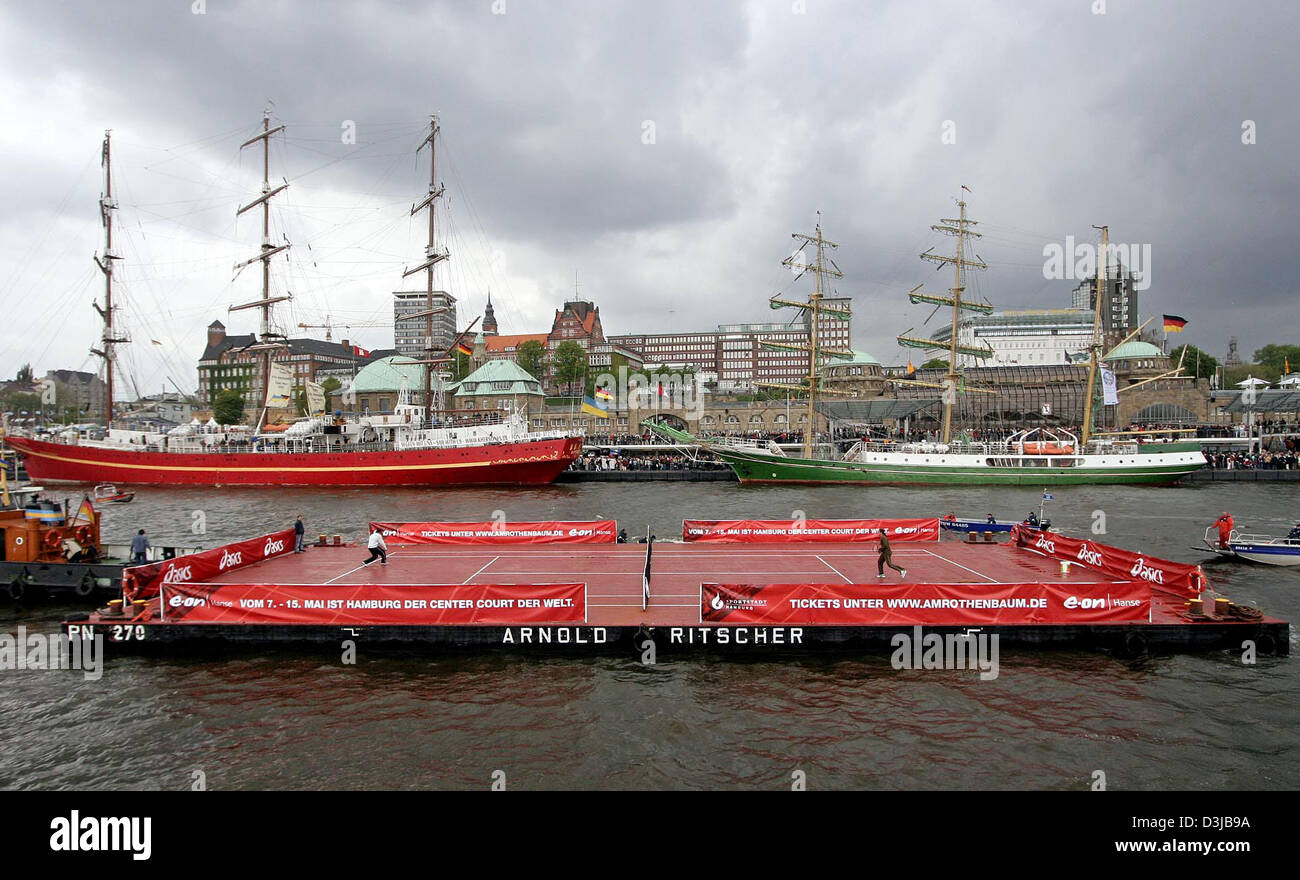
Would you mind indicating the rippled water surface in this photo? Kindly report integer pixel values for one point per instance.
(300, 720)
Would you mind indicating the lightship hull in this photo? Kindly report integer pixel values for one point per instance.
(526, 463)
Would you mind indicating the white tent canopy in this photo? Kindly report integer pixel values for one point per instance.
(1251, 382)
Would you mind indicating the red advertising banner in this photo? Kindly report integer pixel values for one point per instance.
(143, 581)
(371, 605)
(601, 531)
(1172, 577)
(923, 604)
(784, 531)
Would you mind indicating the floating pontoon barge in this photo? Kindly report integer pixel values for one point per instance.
(753, 586)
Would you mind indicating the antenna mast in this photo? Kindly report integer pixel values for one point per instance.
(107, 205)
(264, 347)
(432, 257)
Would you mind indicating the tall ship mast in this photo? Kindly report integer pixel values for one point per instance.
(811, 384)
(961, 228)
(406, 447)
(267, 342)
(1038, 456)
(109, 338)
(1097, 342)
(432, 257)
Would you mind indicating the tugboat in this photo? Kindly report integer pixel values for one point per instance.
(44, 553)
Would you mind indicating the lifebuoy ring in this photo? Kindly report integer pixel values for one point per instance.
(53, 539)
(85, 534)
(86, 586)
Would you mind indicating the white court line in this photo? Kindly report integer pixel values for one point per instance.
(358, 568)
(658, 595)
(847, 579)
(667, 555)
(480, 571)
(571, 571)
(652, 603)
(971, 570)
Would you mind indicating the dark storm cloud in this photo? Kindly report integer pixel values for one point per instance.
(762, 117)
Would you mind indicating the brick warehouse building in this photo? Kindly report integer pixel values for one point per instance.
(225, 363)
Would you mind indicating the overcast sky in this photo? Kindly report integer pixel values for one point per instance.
(662, 153)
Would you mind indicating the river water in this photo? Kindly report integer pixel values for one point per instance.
(305, 721)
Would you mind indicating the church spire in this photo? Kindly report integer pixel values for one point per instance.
(489, 318)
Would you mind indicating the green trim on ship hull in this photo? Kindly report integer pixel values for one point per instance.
(769, 470)
(1174, 446)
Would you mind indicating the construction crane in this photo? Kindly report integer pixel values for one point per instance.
(328, 327)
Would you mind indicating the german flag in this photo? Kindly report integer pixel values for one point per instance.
(1174, 324)
(603, 394)
(464, 349)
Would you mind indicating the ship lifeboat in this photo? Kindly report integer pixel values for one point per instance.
(1048, 448)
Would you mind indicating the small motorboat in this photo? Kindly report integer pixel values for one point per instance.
(1264, 549)
(957, 524)
(107, 492)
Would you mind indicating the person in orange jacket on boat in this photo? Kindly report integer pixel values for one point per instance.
(1225, 524)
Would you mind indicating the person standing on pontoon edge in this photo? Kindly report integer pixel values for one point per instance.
(378, 549)
(886, 557)
(140, 547)
(299, 532)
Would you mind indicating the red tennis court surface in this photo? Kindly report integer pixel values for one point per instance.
(613, 572)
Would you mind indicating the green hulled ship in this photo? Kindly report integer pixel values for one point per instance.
(1031, 457)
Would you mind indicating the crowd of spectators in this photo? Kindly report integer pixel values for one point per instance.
(644, 461)
(1282, 455)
